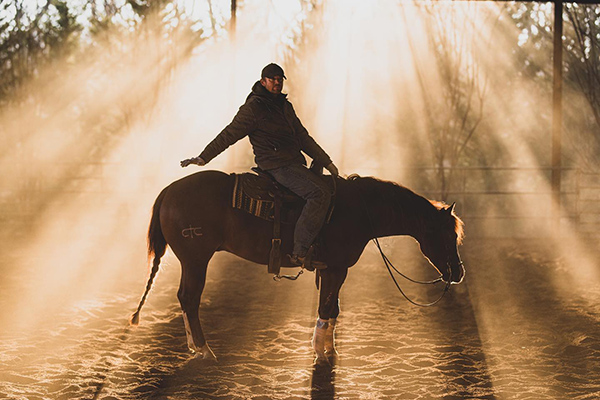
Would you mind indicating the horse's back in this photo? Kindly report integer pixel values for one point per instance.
(200, 179)
(202, 188)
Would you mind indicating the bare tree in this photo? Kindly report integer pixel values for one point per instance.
(57, 83)
(581, 63)
(454, 110)
(582, 60)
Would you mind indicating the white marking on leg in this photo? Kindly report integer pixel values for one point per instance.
(318, 340)
(188, 333)
(330, 338)
(205, 351)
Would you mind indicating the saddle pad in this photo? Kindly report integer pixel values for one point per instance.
(251, 194)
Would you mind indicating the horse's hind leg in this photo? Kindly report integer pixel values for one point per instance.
(193, 278)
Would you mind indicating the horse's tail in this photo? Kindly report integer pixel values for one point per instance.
(157, 245)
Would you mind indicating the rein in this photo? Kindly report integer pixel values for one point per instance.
(391, 267)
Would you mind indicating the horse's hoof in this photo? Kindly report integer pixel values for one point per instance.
(205, 353)
(332, 357)
(331, 353)
(322, 360)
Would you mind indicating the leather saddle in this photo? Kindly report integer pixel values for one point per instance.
(261, 195)
(264, 187)
(257, 194)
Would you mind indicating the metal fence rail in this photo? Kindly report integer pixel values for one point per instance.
(493, 201)
(514, 201)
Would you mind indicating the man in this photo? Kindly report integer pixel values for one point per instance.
(278, 139)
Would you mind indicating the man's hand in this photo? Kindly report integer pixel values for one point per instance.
(195, 160)
(332, 169)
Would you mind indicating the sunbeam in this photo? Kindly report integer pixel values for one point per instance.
(452, 99)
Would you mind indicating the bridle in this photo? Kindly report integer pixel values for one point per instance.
(391, 267)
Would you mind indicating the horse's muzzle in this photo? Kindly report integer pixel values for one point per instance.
(458, 273)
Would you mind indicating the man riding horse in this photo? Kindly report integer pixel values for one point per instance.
(278, 139)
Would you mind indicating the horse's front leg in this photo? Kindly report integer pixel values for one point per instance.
(323, 337)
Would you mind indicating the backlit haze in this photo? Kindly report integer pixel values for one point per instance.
(364, 79)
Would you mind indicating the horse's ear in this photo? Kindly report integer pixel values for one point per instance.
(450, 209)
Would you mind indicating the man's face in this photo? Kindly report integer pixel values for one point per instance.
(274, 84)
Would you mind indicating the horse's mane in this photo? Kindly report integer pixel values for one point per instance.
(391, 189)
(386, 188)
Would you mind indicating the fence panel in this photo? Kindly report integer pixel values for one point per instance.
(494, 202)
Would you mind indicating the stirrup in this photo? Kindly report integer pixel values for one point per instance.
(304, 262)
(295, 260)
(307, 261)
(312, 264)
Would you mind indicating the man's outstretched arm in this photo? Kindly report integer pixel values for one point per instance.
(243, 123)
(193, 160)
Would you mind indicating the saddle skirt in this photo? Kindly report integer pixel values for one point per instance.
(255, 194)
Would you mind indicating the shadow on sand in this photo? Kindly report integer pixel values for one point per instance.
(323, 381)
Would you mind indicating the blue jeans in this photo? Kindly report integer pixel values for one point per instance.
(311, 188)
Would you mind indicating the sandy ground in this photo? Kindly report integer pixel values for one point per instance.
(517, 328)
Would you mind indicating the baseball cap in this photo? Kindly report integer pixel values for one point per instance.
(271, 71)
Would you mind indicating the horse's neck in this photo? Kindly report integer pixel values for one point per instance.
(395, 216)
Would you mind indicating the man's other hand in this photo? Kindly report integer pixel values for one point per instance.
(332, 169)
(195, 160)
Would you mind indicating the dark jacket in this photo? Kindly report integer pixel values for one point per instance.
(275, 132)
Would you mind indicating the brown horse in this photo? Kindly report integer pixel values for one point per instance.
(194, 216)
